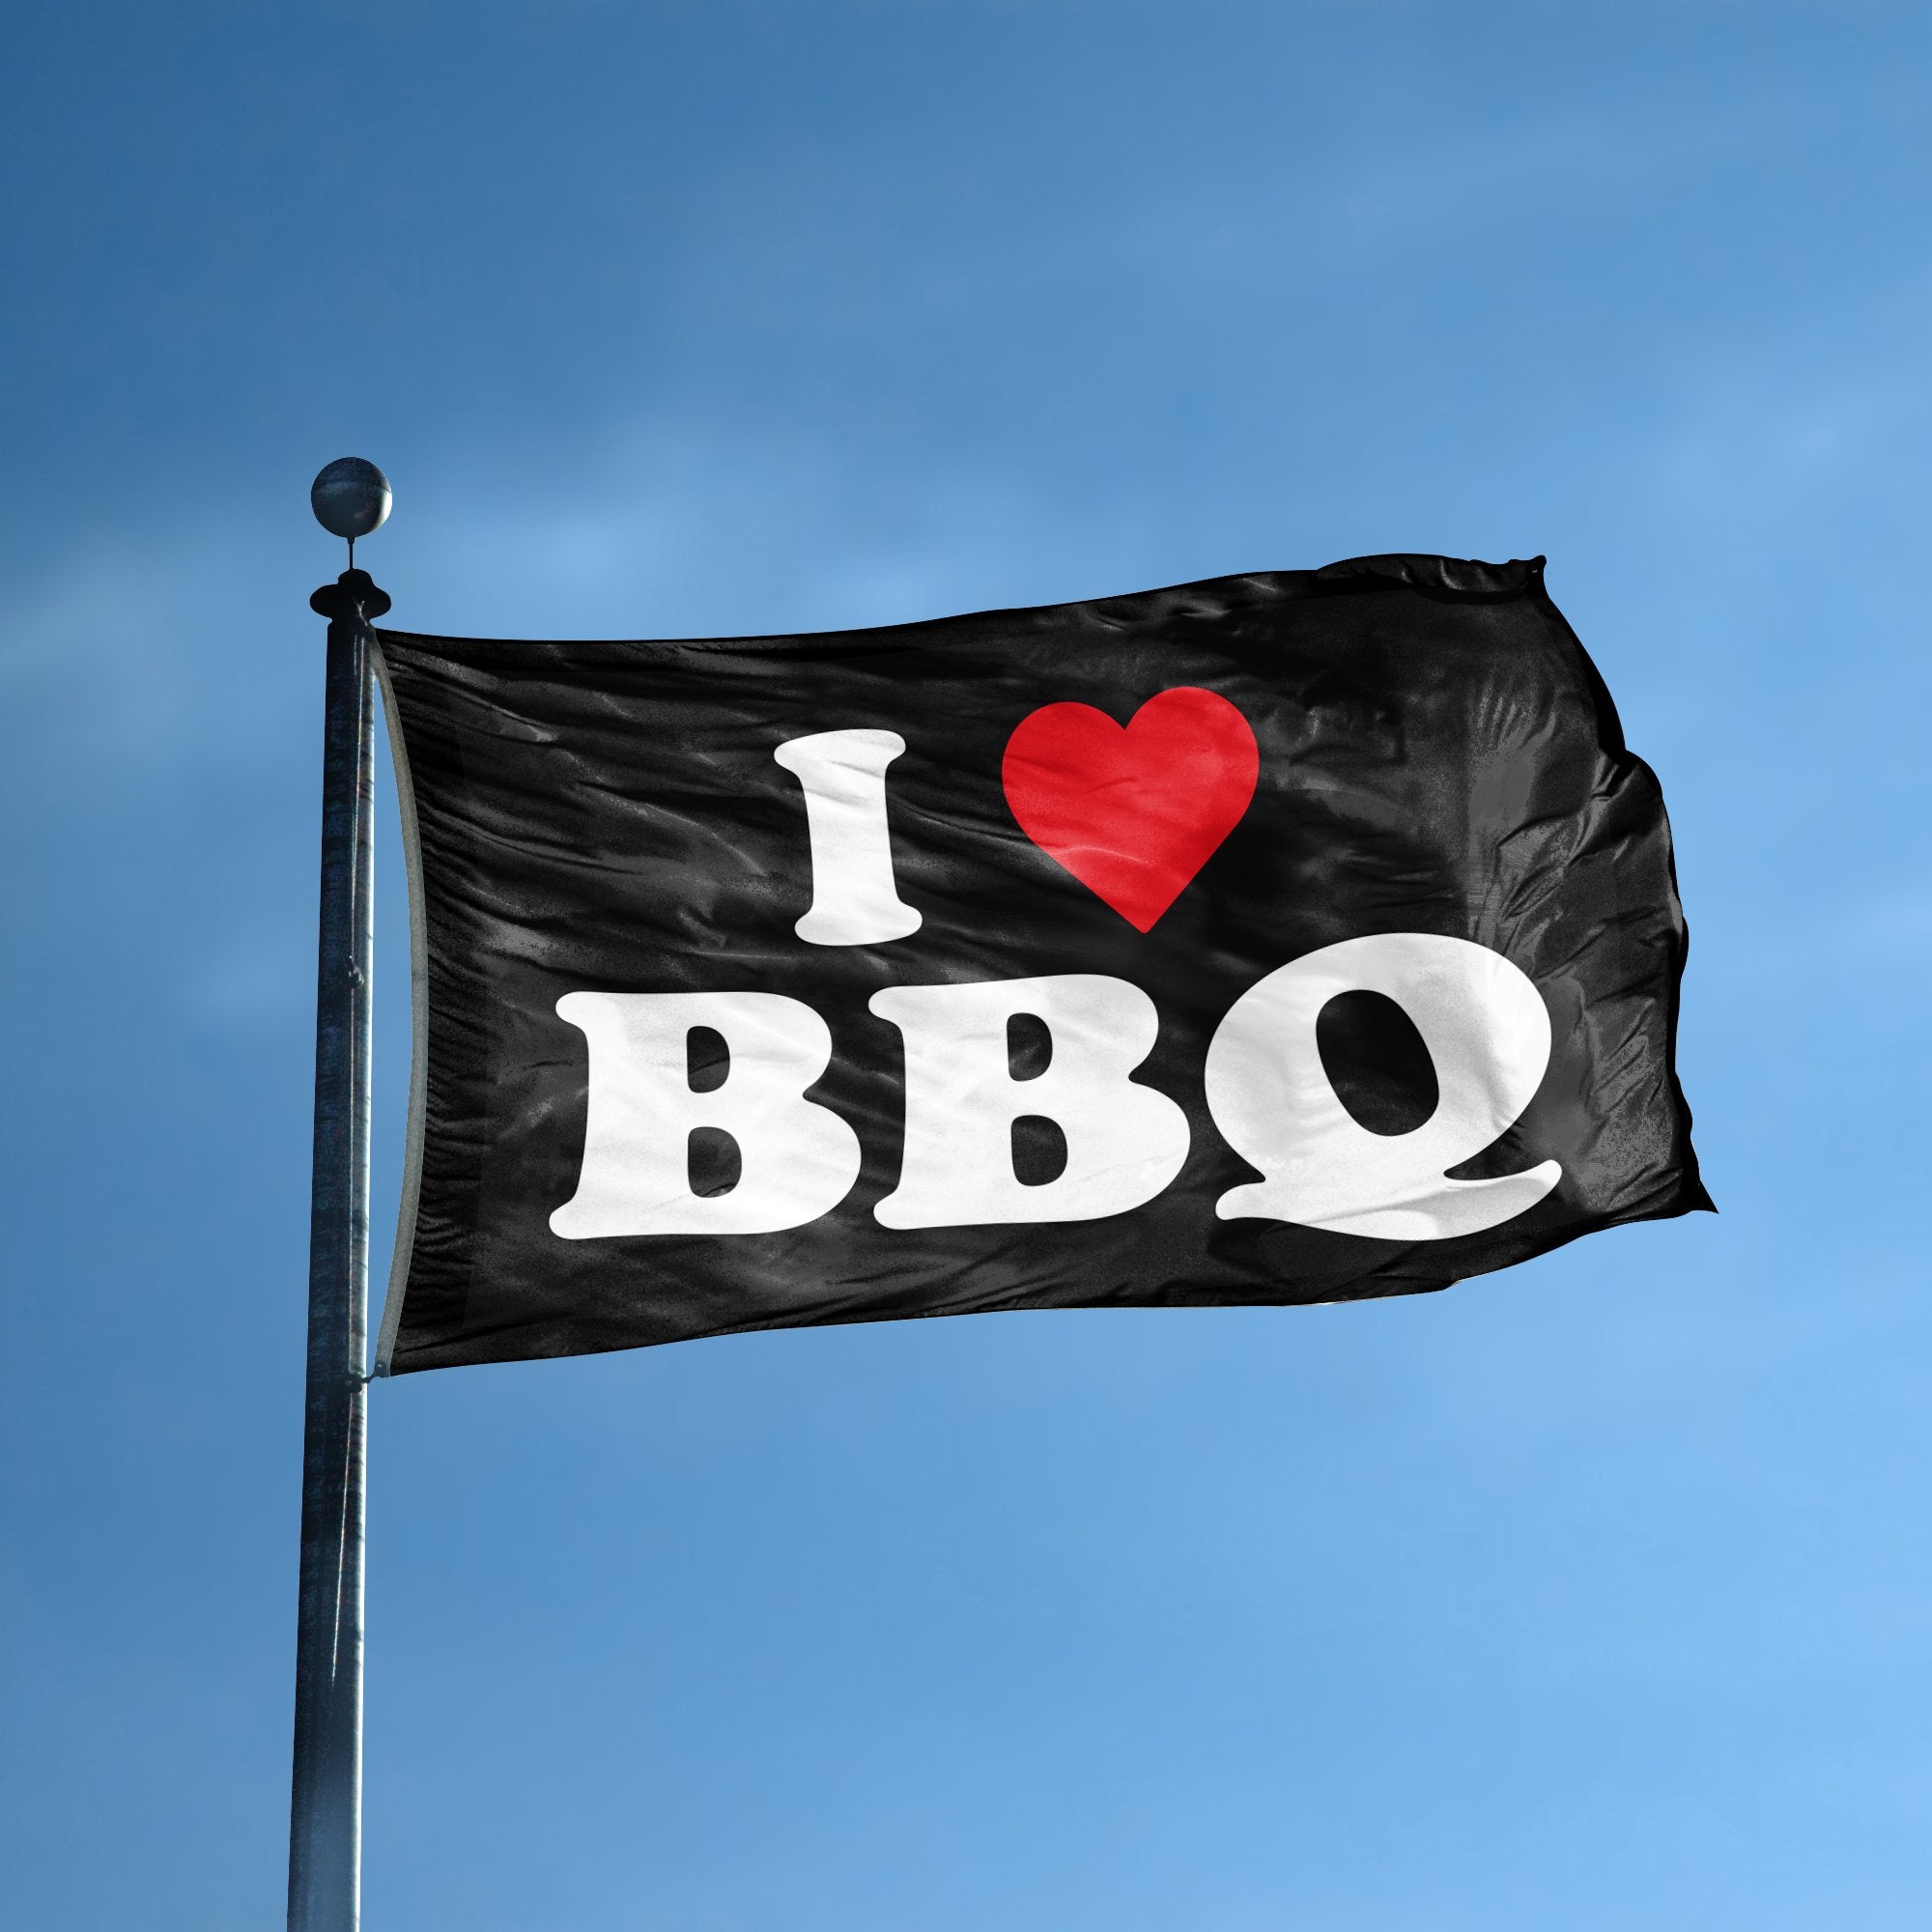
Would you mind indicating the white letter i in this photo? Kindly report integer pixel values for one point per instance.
(855, 900)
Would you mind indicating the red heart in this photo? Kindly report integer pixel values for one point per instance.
(1133, 813)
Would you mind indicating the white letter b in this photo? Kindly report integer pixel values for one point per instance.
(1125, 1142)
(797, 1160)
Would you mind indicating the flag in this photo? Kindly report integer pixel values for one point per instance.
(1295, 937)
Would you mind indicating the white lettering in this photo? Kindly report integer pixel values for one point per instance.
(1488, 1034)
(797, 1160)
(1125, 1142)
(855, 900)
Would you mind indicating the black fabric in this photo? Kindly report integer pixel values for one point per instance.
(1436, 754)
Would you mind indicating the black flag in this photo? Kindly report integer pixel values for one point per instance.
(1285, 938)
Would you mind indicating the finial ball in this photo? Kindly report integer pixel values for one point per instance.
(350, 497)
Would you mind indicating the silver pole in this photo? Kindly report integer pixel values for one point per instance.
(325, 1820)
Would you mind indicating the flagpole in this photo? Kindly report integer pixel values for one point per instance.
(326, 1809)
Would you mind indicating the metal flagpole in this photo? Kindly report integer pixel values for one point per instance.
(350, 497)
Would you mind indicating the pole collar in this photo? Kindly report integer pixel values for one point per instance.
(354, 598)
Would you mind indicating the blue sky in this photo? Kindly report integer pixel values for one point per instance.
(1593, 1595)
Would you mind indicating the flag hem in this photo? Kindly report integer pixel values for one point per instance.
(1440, 578)
(412, 1151)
